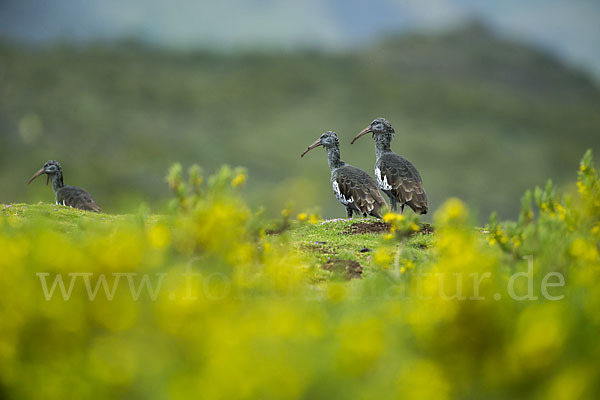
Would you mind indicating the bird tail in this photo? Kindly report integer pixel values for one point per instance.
(418, 208)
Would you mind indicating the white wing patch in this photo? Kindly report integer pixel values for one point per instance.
(383, 183)
(339, 195)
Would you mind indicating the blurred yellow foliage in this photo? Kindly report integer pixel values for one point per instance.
(199, 303)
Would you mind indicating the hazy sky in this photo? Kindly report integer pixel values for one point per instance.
(569, 28)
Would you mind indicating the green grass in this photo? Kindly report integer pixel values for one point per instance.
(330, 238)
(66, 219)
(333, 240)
(321, 243)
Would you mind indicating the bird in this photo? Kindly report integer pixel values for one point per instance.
(65, 195)
(397, 177)
(353, 187)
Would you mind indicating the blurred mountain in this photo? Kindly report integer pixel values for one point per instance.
(483, 118)
(568, 29)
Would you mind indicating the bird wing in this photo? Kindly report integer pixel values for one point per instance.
(357, 187)
(397, 175)
(77, 198)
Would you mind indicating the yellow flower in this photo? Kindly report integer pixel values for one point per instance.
(584, 250)
(336, 292)
(302, 217)
(581, 187)
(159, 236)
(286, 212)
(423, 379)
(391, 217)
(382, 257)
(267, 247)
(313, 219)
(452, 211)
(239, 180)
(414, 227)
(388, 236)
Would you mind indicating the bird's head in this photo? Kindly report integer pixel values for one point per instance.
(50, 168)
(328, 140)
(379, 127)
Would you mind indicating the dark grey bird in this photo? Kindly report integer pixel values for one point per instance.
(65, 195)
(353, 187)
(396, 176)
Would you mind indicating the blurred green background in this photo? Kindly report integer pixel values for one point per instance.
(482, 116)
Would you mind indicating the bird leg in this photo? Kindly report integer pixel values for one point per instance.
(349, 211)
(393, 202)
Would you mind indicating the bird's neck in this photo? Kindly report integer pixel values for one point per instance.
(382, 144)
(333, 158)
(57, 182)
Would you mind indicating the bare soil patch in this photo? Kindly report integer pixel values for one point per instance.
(318, 247)
(350, 269)
(358, 228)
(426, 229)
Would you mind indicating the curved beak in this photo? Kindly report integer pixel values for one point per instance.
(363, 132)
(41, 171)
(317, 143)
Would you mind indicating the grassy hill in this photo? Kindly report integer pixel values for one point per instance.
(330, 246)
(482, 118)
